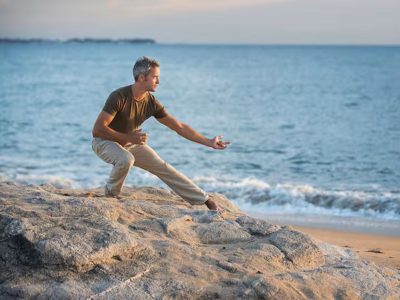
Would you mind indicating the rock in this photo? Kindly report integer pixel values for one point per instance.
(77, 243)
(205, 216)
(180, 229)
(225, 203)
(298, 248)
(221, 233)
(259, 288)
(227, 266)
(266, 253)
(153, 225)
(150, 244)
(12, 228)
(256, 226)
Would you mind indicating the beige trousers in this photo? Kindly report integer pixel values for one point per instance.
(144, 157)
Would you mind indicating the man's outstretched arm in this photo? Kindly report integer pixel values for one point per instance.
(189, 133)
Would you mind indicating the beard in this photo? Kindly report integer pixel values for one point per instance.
(151, 88)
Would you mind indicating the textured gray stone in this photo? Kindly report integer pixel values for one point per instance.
(150, 244)
(298, 248)
(221, 233)
(256, 226)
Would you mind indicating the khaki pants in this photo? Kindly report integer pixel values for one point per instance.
(144, 157)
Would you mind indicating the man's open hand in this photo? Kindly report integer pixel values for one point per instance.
(218, 143)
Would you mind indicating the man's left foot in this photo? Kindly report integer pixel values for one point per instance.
(212, 205)
(108, 194)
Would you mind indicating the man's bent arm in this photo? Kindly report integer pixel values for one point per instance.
(102, 130)
(185, 130)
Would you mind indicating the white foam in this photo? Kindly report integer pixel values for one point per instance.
(255, 194)
(56, 181)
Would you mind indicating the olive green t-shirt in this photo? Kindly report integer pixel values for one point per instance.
(128, 113)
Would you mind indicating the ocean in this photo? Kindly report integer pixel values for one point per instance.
(314, 129)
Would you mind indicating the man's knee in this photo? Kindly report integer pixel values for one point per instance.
(126, 161)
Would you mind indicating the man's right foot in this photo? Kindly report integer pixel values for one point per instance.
(212, 205)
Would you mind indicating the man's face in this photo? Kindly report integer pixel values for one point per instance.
(152, 79)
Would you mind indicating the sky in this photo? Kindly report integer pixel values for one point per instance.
(207, 21)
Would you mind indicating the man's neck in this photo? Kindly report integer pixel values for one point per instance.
(138, 93)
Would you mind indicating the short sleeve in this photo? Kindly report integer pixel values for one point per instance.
(113, 103)
(159, 110)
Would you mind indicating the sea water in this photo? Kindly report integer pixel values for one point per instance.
(313, 129)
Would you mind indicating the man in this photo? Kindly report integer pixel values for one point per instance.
(118, 139)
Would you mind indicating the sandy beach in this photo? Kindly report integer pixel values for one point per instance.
(377, 241)
(380, 249)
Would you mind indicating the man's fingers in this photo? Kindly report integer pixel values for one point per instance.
(221, 145)
(219, 139)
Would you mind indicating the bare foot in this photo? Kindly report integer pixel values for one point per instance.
(108, 194)
(212, 205)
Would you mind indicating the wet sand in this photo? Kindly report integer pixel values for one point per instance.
(380, 249)
(375, 240)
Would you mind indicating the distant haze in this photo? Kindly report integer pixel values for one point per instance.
(207, 21)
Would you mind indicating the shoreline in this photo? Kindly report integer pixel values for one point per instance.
(377, 241)
(356, 224)
(380, 249)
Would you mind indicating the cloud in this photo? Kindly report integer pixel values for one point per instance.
(165, 7)
(206, 21)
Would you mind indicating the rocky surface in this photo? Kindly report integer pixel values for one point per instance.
(150, 244)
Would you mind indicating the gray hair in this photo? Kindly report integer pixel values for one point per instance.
(143, 66)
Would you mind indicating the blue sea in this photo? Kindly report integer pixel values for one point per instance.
(314, 129)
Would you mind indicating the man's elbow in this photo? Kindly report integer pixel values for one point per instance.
(97, 131)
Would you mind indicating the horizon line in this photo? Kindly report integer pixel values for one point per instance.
(153, 41)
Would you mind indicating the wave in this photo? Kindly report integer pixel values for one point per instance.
(254, 194)
(56, 181)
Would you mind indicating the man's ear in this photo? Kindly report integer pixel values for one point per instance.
(141, 77)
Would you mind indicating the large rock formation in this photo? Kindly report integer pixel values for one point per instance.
(150, 244)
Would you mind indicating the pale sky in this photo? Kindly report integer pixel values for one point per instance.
(207, 21)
